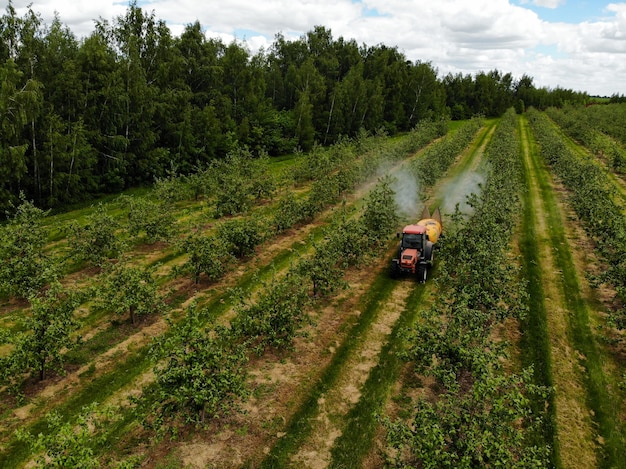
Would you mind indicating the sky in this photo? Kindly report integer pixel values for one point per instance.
(572, 44)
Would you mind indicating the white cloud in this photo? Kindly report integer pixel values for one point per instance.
(549, 3)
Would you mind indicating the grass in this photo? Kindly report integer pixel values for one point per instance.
(300, 424)
(361, 424)
(97, 389)
(535, 342)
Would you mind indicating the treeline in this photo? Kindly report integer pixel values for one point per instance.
(131, 102)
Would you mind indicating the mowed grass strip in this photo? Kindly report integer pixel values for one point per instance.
(300, 424)
(361, 426)
(601, 407)
(535, 340)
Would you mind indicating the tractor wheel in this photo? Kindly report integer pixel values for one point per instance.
(422, 273)
(394, 270)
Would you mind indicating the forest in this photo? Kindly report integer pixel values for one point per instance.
(131, 103)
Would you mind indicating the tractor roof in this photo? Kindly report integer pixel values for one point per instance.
(414, 229)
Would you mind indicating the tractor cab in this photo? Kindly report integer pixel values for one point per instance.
(411, 247)
(412, 240)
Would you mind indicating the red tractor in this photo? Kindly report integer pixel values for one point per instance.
(416, 250)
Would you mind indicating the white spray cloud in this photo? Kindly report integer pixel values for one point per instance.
(457, 191)
(407, 194)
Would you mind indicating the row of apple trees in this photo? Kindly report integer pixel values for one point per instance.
(438, 158)
(199, 367)
(481, 414)
(579, 125)
(592, 197)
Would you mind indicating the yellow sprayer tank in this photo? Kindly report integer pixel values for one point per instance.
(433, 227)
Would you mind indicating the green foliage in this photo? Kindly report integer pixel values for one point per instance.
(592, 199)
(579, 124)
(288, 212)
(149, 217)
(20, 104)
(24, 266)
(323, 193)
(48, 331)
(239, 180)
(64, 445)
(97, 240)
(131, 102)
(323, 270)
(349, 240)
(275, 317)
(128, 289)
(199, 374)
(380, 215)
(169, 190)
(483, 416)
(487, 426)
(438, 158)
(241, 236)
(68, 444)
(206, 254)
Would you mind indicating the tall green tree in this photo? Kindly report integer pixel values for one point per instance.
(425, 98)
(136, 36)
(102, 109)
(20, 104)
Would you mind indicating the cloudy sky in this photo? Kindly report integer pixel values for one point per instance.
(574, 44)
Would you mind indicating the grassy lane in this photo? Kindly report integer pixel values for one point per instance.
(618, 182)
(302, 422)
(359, 431)
(535, 341)
(586, 429)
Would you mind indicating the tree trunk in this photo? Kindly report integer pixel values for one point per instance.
(330, 117)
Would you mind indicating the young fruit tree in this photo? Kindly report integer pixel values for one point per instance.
(66, 444)
(199, 374)
(24, 266)
(206, 254)
(130, 290)
(46, 334)
(145, 216)
(380, 216)
(96, 241)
